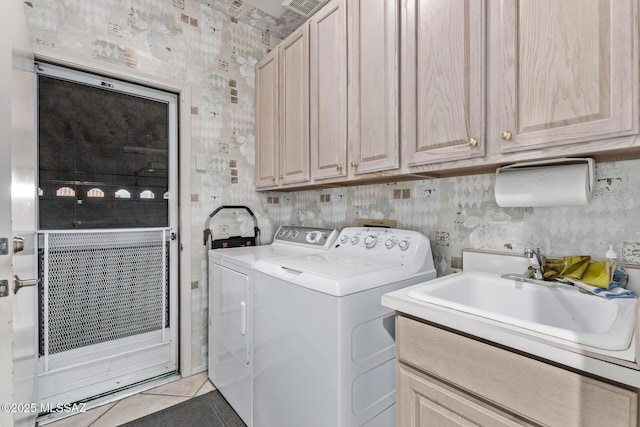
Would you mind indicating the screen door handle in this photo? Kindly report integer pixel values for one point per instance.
(19, 284)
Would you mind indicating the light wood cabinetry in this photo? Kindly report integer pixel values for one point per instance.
(449, 378)
(267, 119)
(443, 80)
(401, 89)
(566, 72)
(282, 113)
(328, 29)
(373, 33)
(424, 401)
(294, 107)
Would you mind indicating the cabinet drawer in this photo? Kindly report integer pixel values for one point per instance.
(532, 389)
(425, 402)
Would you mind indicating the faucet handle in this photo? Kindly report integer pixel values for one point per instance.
(536, 262)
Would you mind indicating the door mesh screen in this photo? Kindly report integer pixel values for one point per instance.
(101, 286)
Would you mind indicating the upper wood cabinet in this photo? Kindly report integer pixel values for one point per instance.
(373, 33)
(441, 87)
(294, 107)
(267, 119)
(443, 80)
(329, 91)
(567, 69)
(282, 113)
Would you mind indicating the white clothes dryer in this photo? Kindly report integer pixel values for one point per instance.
(231, 290)
(324, 344)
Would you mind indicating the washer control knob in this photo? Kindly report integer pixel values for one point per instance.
(354, 240)
(403, 245)
(390, 243)
(313, 237)
(370, 241)
(344, 238)
(282, 232)
(294, 234)
(287, 234)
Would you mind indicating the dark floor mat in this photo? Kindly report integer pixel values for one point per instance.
(208, 410)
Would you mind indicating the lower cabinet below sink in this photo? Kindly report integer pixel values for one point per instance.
(446, 379)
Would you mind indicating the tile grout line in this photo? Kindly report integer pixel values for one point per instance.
(104, 413)
(150, 392)
(188, 397)
(201, 386)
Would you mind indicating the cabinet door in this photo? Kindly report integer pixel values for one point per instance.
(442, 83)
(294, 103)
(546, 394)
(267, 120)
(425, 402)
(329, 91)
(373, 35)
(568, 71)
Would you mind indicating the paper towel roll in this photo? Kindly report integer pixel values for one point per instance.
(560, 185)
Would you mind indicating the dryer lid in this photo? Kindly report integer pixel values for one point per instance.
(333, 267)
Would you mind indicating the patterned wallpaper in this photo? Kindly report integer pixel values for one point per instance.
(461, 212)
(215, 51)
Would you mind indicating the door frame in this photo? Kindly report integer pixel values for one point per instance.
(183, 90)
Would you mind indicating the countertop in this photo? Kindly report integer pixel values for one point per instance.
(610, 365)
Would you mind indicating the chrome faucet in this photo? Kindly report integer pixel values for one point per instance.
(536, 262)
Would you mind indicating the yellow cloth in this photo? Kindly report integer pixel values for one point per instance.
(552, 267)
(578, 267)
(575, 266)
(597, 274)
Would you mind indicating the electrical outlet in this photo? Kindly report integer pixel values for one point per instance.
(339, 195)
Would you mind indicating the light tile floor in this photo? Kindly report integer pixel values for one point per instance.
(141, 404)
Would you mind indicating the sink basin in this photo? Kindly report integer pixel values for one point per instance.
(556, 310)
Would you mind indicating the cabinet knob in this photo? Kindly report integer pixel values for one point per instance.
(473, 142)
(281, 177)
(339, 166)
(273, 179)
(506, 135)
(354, 164)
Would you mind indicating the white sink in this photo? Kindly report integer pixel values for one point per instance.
(556, 310)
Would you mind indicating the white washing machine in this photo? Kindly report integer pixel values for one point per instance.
(230, 308)
(324, 345)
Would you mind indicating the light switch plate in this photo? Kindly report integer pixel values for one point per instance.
(201, 162)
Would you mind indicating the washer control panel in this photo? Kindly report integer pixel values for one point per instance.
(408, 247)
(307, 236)
(367, 238)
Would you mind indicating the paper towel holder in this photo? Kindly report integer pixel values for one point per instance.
(546, 183)
(591, 166)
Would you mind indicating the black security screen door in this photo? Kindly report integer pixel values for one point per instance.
(107, 243)
(103, 158)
